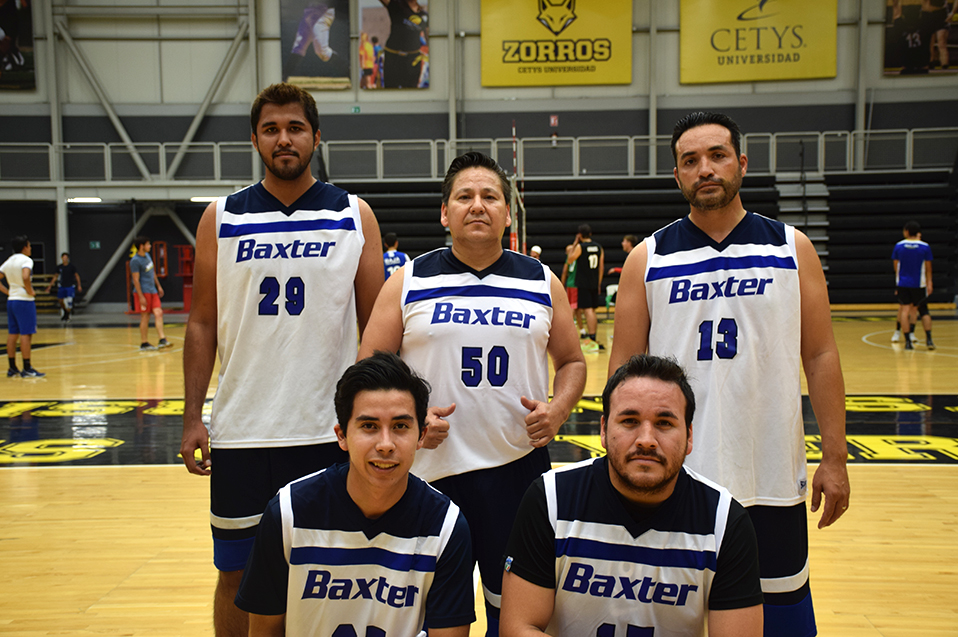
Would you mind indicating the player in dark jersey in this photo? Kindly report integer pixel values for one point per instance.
(633, 542)
(67, 280)
(589, 258)
(402, 62)
(911, 35)
(935, 18)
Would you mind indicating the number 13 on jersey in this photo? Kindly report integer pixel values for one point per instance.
(727, 344)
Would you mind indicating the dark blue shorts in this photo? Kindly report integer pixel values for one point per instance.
(67, 292)
(782, 534)
(21, 317)
(590, 299)
(489, 500)
(911, 296)
(242, 484)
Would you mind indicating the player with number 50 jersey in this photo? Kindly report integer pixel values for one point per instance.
(479, 323)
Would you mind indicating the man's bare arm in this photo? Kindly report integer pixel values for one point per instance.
(453, 631)
(738, 622)
(199, 351)
(826, 385)
(385, 328)
(632, 320)
(267, 625)
(526, 607)
(545, 418)
(370, 273)
(27, 275)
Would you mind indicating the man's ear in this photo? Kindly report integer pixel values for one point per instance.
(602, 432)
(688, 446)
(422, 437)
(341, 437)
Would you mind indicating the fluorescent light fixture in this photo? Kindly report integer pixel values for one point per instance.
(202, 199)
(84, 200)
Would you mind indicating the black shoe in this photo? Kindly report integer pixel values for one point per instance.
(31, 373)
(908, 344)
(13, 372)
(146, 347)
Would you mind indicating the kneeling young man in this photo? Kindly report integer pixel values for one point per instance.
(363, 548)
(633, 542)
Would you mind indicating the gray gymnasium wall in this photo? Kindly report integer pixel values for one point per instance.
(156, 72)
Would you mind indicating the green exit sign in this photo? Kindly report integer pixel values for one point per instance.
(94, 245)
(355, 109)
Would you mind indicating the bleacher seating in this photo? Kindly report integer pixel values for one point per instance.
(865, 216)
(865, 219)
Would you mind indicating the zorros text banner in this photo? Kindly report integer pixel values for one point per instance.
(753, 40)
(556, 42)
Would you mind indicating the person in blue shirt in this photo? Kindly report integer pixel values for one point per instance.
(393, 259)
(912, 258)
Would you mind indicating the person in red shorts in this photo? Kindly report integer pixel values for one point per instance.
(148, 294)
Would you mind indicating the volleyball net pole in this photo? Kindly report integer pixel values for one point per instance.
(517, 231)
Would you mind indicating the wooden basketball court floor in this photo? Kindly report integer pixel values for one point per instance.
(103, 532)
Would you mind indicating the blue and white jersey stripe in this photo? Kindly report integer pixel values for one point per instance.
(285, 284)
(481, 340)
(730, 313)
(343, 568)
(610, 568)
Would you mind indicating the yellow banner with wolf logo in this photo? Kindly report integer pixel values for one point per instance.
(556, 42)
(753, 40)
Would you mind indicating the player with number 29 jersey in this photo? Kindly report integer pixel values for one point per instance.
(480, 330)
(298, 264)
(712, 302)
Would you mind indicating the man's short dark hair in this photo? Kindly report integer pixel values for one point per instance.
(20, 242)
(282, 94)
(381, 371)
(631, 238)
(912, 228)
(140, 240)
(475, 159)
(585, 231)
(65, 254)
(700, 118)
(647, 366)
(390, 239)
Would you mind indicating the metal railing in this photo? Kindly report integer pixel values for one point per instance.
(29, 165)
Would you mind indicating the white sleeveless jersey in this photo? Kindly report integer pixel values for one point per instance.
(617, 578)
(286, 312)
(347, 575)
(731, 314)
(480, 339)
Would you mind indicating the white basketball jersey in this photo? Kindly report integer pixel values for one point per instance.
(13, 270)
(730, 312)
(371, 577)
(287, 314)
(618, 578)
(480, 339)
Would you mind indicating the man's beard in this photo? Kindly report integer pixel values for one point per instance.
(645, 488)
(287, 171)
(705, 202)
